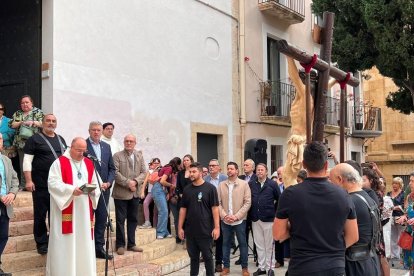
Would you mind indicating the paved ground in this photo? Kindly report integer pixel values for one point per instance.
(236, 270)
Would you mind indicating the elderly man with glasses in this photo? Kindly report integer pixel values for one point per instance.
(215, 177)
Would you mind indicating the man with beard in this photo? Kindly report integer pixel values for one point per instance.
(200, 211)
(235, 201)
(40, 151)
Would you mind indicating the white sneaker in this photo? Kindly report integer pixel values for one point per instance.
(160, 237)
(146, 225)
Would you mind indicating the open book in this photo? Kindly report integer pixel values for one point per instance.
(87, 188)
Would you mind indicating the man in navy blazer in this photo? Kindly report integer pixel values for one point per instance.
(106, 170)
(265, 196)
(215, 177)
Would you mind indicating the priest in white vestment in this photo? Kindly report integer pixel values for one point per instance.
(71, 246)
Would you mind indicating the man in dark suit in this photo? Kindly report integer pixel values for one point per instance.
(215, 177)
(106, 170)
(9, 186)
(248, 168)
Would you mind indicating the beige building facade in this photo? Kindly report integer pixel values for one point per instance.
(394, 150)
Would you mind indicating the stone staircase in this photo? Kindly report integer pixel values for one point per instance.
(160, 257)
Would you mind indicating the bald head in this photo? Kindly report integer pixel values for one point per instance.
(346, 176)
(77, 148)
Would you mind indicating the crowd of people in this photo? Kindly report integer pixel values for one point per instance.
(340, 222)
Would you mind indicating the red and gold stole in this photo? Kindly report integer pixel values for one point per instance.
(67, 177)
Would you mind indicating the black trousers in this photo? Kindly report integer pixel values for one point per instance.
(101, 217)
(4, 228)
(279, 252)
(194, 247)
(126, 209)
(219, 249)
(41, 207)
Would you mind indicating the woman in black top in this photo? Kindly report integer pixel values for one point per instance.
(183, 180)
(183, 176)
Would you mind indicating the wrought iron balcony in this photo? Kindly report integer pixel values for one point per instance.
(290, 11)
(367, 121)
(276, 99)
(333, 106)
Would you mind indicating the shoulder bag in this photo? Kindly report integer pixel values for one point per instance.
(25, 132)
(406, 240)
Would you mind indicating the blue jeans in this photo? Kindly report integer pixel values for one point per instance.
(227, 231)
(158, 195)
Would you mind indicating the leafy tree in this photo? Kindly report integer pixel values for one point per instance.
(376, 32)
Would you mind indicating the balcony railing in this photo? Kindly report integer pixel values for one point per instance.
(276, 98)
(332, 111)
(367, 121)
(291, 11)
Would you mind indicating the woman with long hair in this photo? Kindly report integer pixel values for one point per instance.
(159, 193)
(371, 180)
(183, 176)
(183, 180)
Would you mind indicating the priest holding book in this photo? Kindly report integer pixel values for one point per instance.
(71, 241)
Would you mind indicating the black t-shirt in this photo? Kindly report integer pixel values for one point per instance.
(317, 211)
(372, 195)
(43, 156)
(198, 200)
(363, 216)
(182, 182)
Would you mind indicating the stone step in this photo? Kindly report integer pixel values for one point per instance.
(20, 261)
(153, 250)
(19, 228)
(26, 242)
(22, 213)
(19, 244)
(158, 249)
(23, 199)
(172, 262)
(134, 270)
(40, 271)
(29, 260)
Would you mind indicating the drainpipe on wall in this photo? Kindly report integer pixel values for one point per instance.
(242, 74)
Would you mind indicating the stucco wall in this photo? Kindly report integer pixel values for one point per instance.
(150, 67)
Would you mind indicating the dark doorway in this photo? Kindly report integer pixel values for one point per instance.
(206, 148)
(20, 52)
